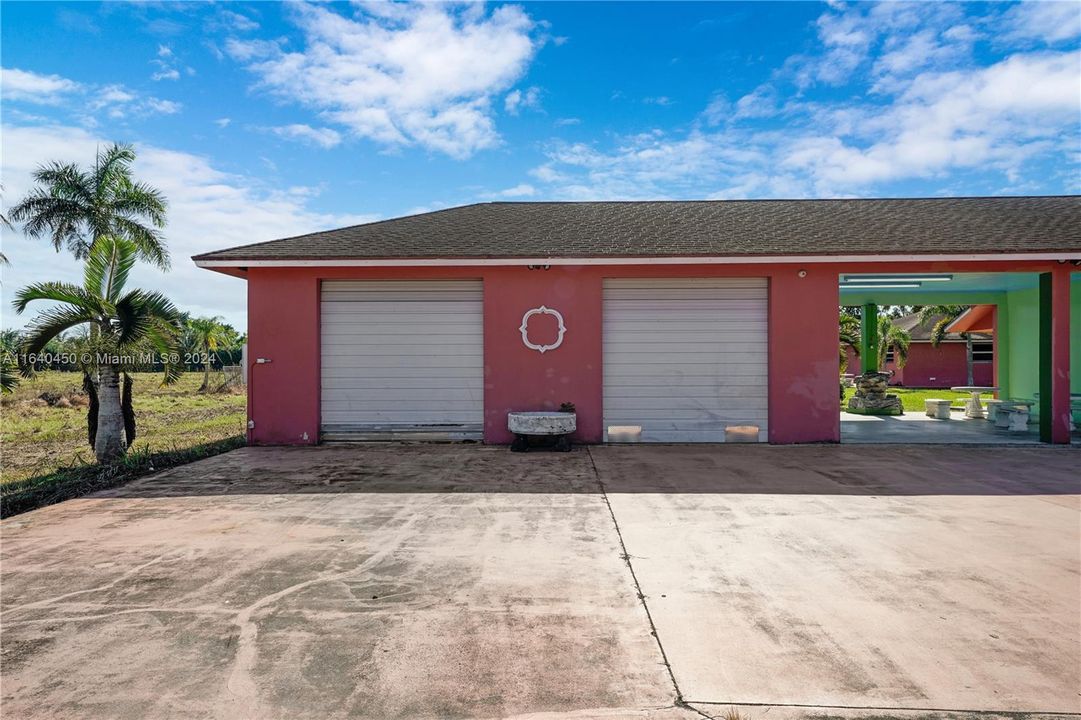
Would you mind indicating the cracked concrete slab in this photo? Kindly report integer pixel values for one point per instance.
(433, 581)
(332, 582)
(892, 578)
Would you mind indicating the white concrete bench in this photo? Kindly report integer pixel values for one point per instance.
(1013, 414)
(937, 408)
(992, 408)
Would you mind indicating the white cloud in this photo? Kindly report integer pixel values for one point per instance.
(119, 102)
(917, 103)
(854, 35)
(243, 23)
(1050, 22)
(223, 122)
(168, 74)
(32, 87)
(763, 101)
(116, 101)
(518, 191)
(567, 121)
(993, 120)
(421, 74)
(167, 70)
(162, 107)
(323, 137)
(229, 21)
(717, 111)
(662, 100)
(516, 100)
(644, 166)
(208, 210)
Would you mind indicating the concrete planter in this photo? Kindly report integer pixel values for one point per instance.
(555, 426)
(542, 423)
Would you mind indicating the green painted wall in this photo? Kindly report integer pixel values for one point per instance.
(1022, 376)
(1023, 316)
(1019, 330)
(1075, 332)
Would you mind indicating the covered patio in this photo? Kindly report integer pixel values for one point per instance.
(1034, 319)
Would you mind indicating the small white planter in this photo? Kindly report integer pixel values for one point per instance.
(542, 423)
(556, 427)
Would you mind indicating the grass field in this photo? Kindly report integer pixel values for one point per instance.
(912, 398)
(39, 436)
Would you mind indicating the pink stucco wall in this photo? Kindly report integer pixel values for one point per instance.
(803, 399)
(517, 378)
(1060, 354)
(283, 327)
(931, 367)
(804, 405)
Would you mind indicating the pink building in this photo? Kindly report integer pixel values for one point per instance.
(938, 367)
(682, 319)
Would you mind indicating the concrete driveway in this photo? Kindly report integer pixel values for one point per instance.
(435, 581)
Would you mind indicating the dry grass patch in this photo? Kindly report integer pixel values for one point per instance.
(43, 423)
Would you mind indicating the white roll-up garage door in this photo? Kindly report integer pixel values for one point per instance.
(402, 358)
(684, 359)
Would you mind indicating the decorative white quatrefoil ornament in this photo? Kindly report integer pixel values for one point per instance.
(525, 329)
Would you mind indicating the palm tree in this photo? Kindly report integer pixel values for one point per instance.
(78, 208)
(892, 337)
(850, 337)
(206, 335)
(123, 325)
(4, 223)
(943, 316)
(9, 350)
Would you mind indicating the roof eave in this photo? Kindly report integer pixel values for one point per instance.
(210, 261)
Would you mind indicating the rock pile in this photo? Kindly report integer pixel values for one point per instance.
(871, 396)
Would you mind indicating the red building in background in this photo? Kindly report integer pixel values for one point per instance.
(946, 365)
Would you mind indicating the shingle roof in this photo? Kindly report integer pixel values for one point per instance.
(921, 331)
(706, 228)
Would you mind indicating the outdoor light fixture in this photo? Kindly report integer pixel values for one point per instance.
(894, 278)
(879, 286)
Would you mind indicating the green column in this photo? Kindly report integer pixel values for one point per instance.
(869, 338)
(1045, 358)
(1002, 348)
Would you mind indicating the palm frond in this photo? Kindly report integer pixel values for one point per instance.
(107, 267)
(943, 315)
(43, 214)
(9, 378)
(76, 208)
(938, 332)
(112, 167)
(164, 337)
(57, 292)
(96, 267)
(140, 199)
(131, 321)
(51, 323)
(66, 181)
(147, 241)
(139, 311)
(892, 337)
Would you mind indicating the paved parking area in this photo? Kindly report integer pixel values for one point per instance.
(427, 581)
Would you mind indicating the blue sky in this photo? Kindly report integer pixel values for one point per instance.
(264, 120)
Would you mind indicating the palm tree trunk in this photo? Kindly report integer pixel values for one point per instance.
(110, 443)
(968, 358)
(206, 373)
